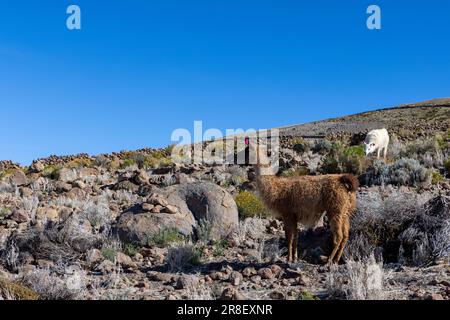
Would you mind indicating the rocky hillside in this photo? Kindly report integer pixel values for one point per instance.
(407, 122)
(133, 225)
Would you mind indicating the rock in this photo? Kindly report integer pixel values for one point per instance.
(125, 261)
(171, 209)
(157, 209)
(186, 281)
(67, 175)
(186, 204)
(106, 267)
(137, 228)
(18, 178)
(276, 269)
(20, 216)
(94, 257)
(44, 263)
(25, 192)
(126, 185)
(303, 280)
(277, 295)
(37, 166)
(265, 273)
(147, 207)
(231, 294)
(76, 193)
(209, 202)
(79, 184)
(46, 213)
(217, 275)
(435, 296)
(159, 276)
(63, 186)
(249, 271)
(87, 172)
(141, 177)
(236, 278)
(445, 283)
(256, 279)
(157, 199)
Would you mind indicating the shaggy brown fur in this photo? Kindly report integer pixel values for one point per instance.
(305, 199)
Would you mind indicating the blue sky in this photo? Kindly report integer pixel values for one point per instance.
(140, 69)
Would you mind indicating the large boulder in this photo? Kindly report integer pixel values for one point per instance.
(18, 178)
(211, 204)
(183, 208)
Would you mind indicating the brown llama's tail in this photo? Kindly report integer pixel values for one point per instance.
(350, 182)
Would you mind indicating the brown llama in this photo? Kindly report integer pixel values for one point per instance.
(305, 199)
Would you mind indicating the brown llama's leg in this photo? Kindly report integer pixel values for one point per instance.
(345, 234)
(289, 231)
(336, 231)
(295, 244)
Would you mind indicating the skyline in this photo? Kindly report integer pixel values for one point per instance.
(138, 70)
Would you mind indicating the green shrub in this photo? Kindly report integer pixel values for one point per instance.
(51, 171)
(342, 159)
(131, 249)
(295, 172)
(443, 141)
(355, 151)
(128, 163)
(165, 237)
(155, 160)
(436, 177)
(447, 166)
(203, 231)
(249, 205)
(219, 248)
(80, 163)
(109, 254)
(4, 212)
(301, 145)
(323, 147)
(306, 295)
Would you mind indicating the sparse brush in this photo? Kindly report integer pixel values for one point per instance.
(323, 147)
(166, 237)
(250, 228)
(131, 249)
(50, 286)
(183, 256)
(203, 231)
(447, 166)
(403, 172)
(362, 280)
(219, 248)
(401, 221)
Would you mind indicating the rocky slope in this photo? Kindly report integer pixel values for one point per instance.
(133, 225)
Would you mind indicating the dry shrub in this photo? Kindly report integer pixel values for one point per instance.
(357, 280)
(50, 286)
(404, 226)
(183, 256)
(403, 172)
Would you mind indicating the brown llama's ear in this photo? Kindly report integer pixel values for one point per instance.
(350, 182)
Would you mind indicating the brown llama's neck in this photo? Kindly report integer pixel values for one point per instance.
(265, 184)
